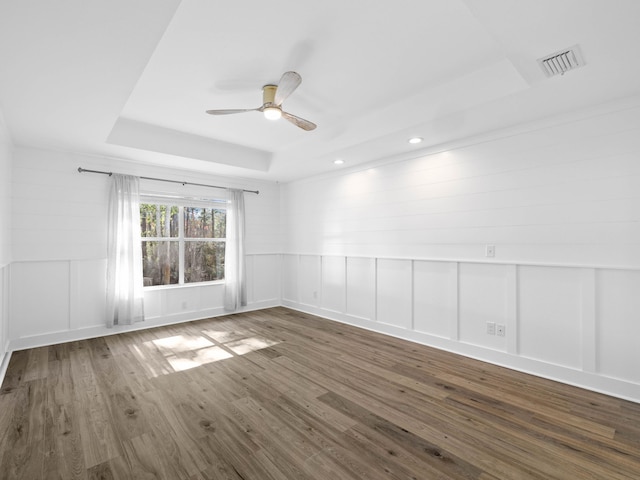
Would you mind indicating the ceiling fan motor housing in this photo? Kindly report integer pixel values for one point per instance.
(269, 94)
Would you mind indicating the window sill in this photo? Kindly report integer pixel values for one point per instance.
(185, 285)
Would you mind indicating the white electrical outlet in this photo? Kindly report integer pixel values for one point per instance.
(491, 328)
(490, 251)
(500, 330)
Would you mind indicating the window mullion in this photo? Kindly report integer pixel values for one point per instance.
(181, 245)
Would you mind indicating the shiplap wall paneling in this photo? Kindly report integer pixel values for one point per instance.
(394, 295)
(39, 298)
(53, 200)
(361, 287)
(618, 324)
(333, 283)
(564, 193)
(483, 297)
(435, 297)
(75, 205)
(550, 305)
(262, 220)
(309, 280)
(6, 194)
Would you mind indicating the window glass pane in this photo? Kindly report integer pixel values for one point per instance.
(158, 220)
(160, 263)
(204, 222)
(203, 261)
(148, 219)
(220, 223)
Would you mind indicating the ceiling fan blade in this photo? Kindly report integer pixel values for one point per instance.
(286, 86)
(299, 122)
(228, 112)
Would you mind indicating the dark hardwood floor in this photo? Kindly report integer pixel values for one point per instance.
(278, 394)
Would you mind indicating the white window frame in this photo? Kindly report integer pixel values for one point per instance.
(181, 203)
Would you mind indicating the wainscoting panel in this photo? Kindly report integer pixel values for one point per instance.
(4, 320)
(551, 314)
(58, 301)
(88, 285)
(618, 324)
(154, 303)
(394, 292)
(435, 297)
(264, 278)
(577, 325)
(189, 299)
(39, 299)
(482, 298)
(309, 279)
(360, 288)
(333, 283)
(290, 278)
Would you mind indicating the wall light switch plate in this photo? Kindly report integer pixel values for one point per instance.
(490, 251)
(500, 330)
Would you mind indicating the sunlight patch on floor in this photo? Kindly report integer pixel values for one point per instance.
(199, 358)
(246, 345)
(180, 343)
(225, 335)
(184, 352)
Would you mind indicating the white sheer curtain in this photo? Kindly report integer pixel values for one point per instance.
(124, 255)
(235, 281)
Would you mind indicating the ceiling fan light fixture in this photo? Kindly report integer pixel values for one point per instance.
(272, 98)
(272, 113)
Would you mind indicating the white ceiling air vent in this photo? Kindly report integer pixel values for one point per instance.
(562, 61)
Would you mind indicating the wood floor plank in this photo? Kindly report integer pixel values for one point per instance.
(62, 434)
(23, 456)
(432, 455)
(36, 368)
(278, 394)
(96, 428)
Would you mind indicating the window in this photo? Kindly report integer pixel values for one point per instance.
(182, 243)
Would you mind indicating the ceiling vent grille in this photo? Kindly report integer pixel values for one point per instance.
(561, 62)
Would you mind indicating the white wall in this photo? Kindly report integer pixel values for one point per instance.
(59, 256)
(5, 240)
(399, 247)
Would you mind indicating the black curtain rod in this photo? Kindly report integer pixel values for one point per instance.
(81, 170)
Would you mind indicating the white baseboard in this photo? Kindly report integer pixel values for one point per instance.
(587, 380)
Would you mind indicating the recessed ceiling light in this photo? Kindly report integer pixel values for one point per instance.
(415, 140)
(338, 161)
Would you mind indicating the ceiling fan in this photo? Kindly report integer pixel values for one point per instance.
(272, 98)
